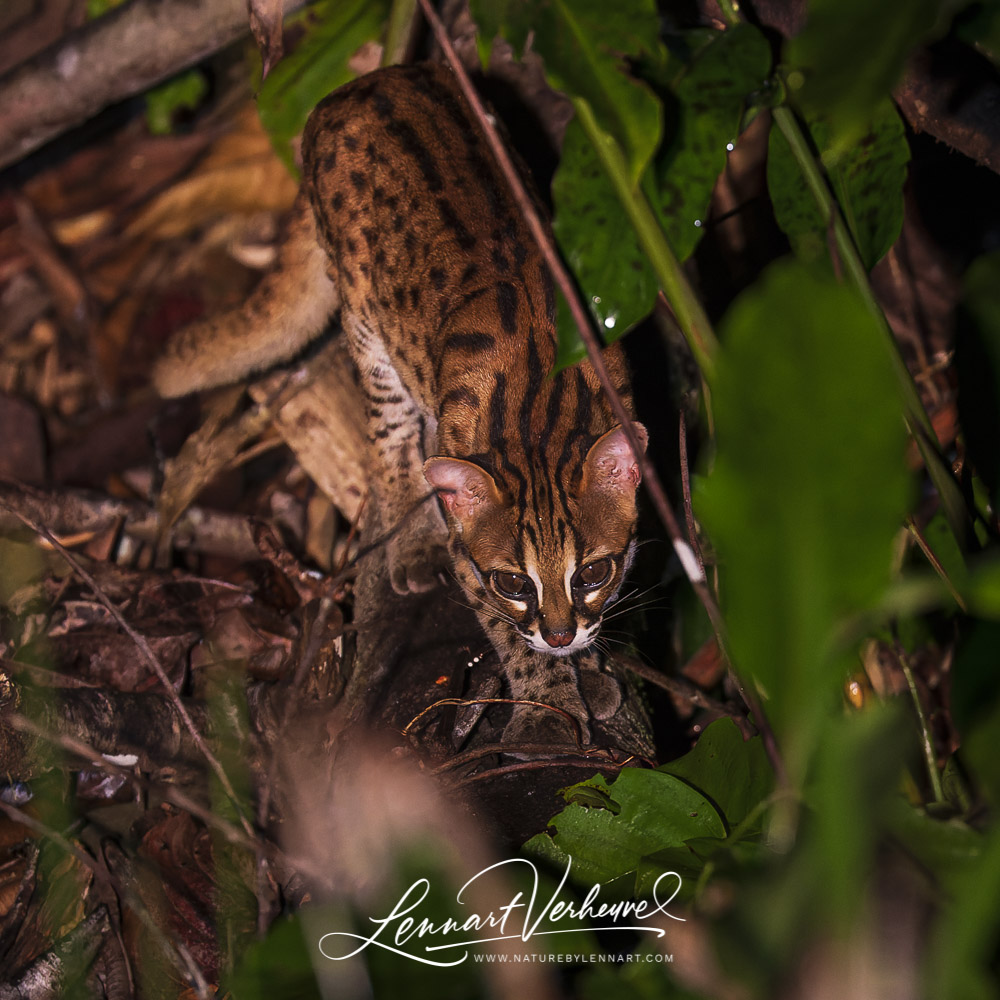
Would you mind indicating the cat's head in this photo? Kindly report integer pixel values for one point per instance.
(549, 562)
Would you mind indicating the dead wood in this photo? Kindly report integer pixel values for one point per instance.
(121, 54)
(75, 512)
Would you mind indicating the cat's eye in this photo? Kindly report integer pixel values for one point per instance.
(512, 585)
(593, 574)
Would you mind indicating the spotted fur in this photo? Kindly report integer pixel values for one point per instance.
(406, 225)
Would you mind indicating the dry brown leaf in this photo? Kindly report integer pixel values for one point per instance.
(241, 173)
(265, 23)
(81, 228)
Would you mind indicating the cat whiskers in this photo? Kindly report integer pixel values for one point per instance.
(487, 608)
(631, 602)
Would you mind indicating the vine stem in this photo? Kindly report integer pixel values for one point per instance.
(926, 739)
(689, 306)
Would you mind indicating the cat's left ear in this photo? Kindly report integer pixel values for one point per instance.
(465, 489)
(611, 464)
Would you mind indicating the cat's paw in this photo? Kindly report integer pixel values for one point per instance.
(532, 726)
(601, 692)
(416, 563)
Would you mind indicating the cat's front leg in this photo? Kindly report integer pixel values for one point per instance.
(417, 542)
(548, 681)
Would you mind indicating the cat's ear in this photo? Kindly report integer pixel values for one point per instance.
(611, 464)
(465, 489)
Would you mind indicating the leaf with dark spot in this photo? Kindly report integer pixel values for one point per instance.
(867, 181)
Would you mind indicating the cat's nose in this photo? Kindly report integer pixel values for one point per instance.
(558, 637)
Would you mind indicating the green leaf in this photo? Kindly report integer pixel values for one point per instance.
(808, 489)
(734, 774)
(584, 47)
(858, 768)
(851, 53)
(280, 965)
(335, 30)
(942, 543)
(975, 702)
(867, 180)
(641, 977)
(98, 8)
(655, 811)
(979, 26)
(615, 277)
(707, 106)
(962, 958)
(182, 93)
(977, 363)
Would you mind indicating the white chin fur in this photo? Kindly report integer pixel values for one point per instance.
(582, 641)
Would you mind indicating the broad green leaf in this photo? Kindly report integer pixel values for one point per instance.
(614, 275)
(867, 180)
(703, 122)
(979, 26)
(584, 46)
(942, 543)
(851, 53)
(975, 702)
(279, 966)
(961, 961)
(641, 977)
(808, 489)
(335, 30)
(655, 811)
(858, 767)
(977, 362)
(597, 241)
(734, 774)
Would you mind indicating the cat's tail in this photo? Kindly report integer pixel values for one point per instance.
(289, 308)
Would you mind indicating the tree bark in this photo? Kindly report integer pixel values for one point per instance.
(116, 56)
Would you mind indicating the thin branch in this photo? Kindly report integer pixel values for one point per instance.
(692, 528)
(917, 421)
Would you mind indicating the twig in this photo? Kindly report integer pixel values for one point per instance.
(682, 688)
(911, 526)
(463, 702)
(692, 528)
(604, 755)
(926, 739)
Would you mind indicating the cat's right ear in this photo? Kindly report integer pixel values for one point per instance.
(465, 489)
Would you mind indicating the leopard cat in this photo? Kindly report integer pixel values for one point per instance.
(406, 227)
